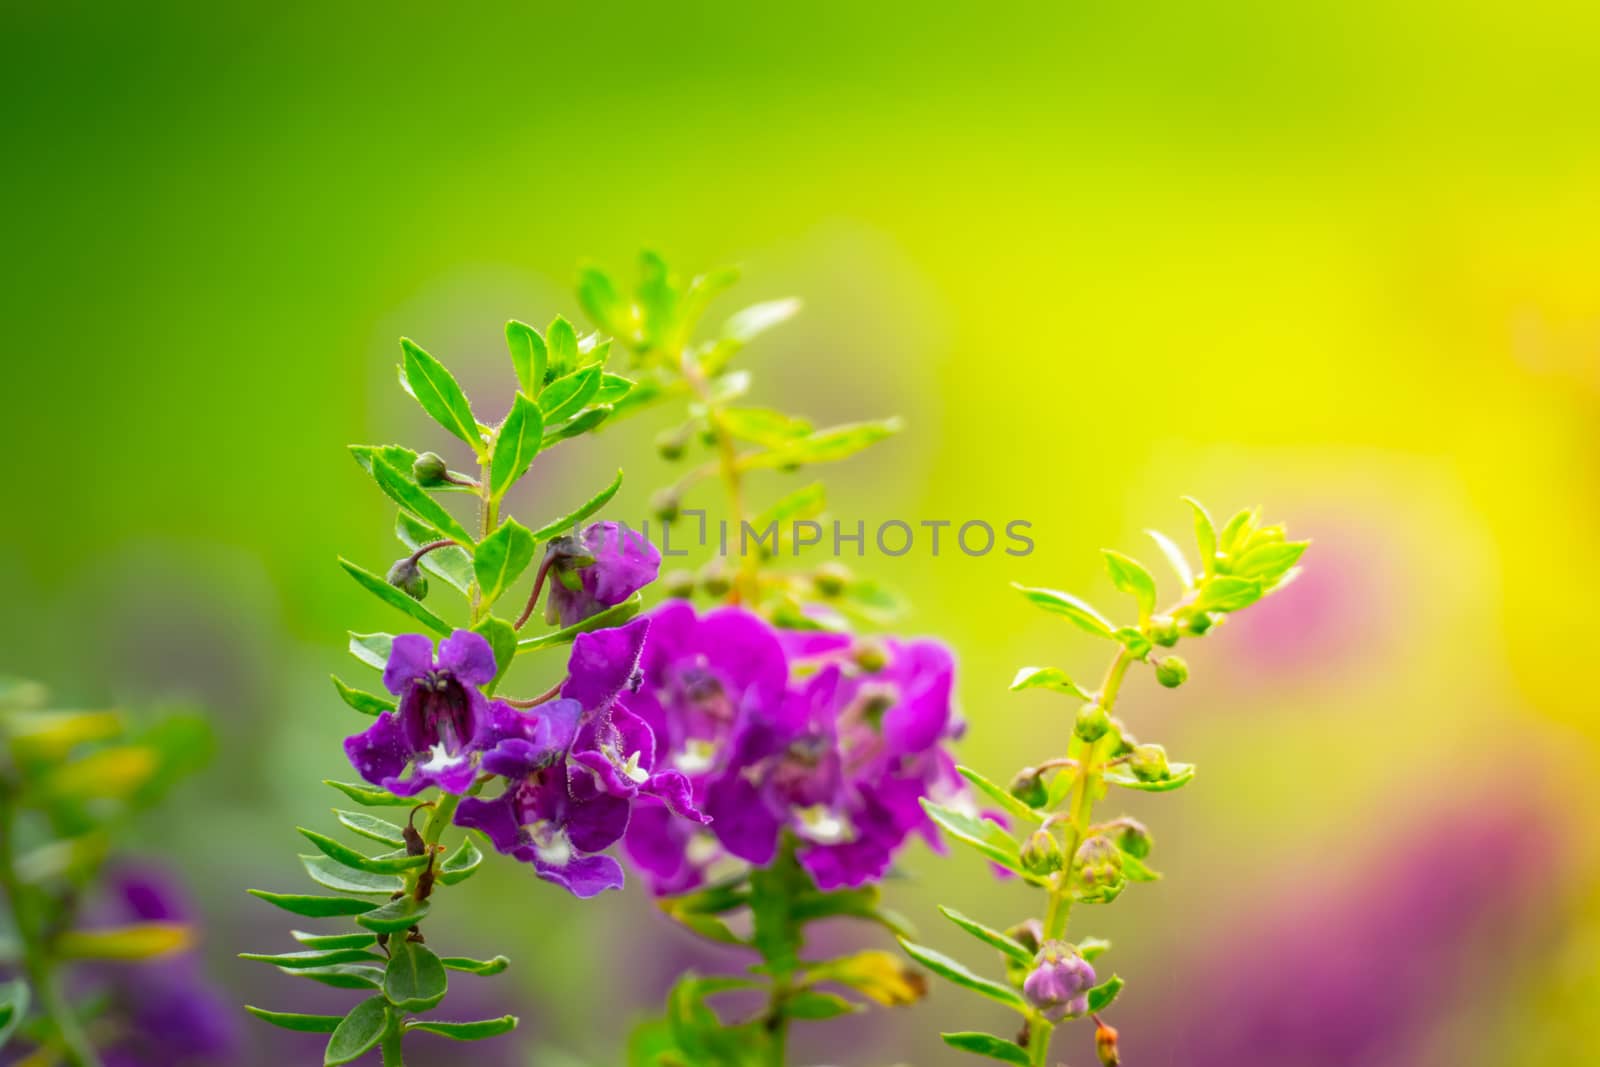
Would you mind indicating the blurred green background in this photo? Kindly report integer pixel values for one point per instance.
(1335, 259)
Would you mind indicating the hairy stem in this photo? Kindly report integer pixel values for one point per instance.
(390, 1042)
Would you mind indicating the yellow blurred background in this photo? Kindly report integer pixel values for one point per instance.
(1335, 259)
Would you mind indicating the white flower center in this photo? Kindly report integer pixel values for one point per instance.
(697, 756)
(825, 827)
(439, 759)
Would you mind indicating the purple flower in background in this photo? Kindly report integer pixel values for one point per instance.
(597, 569)
(443, 718)
(569, 791)
(1060, 981)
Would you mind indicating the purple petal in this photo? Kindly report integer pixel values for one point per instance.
(582, 876)
(597, 823)
(410, 658)
(591, 774)
(657, 842)
(516, 757)
(379, 752)
(924, 671)
(497, 819)
(467, 656)
(624, 563)
(603, 664)
(742, 819)
(674, 790)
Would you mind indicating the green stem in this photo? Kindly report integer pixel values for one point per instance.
(390, 1043)
(744, 582)
(778, 1023)
(1039, 1031)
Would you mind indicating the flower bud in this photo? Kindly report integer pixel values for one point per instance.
(1092, 723)
(664, 505)
(1041, 853)
(831, 578)
(1131, 835)
(1059, 983)
(714, 577)
(1105, 1045)
(1195, 623)
(1164, 631)
(1097, 875)
(1028, 786)
(870, 656)
(1172, 671)
(430, 470)
(671, 443)
(407, 577)
(1148, 763)
(678, 584)
(1029, 933)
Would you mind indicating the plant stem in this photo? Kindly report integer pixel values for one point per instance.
(744, 580)
(1039, 1031)
(390, 1043)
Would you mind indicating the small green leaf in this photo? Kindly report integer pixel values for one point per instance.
(473, 1031)
(288, 1020)
(764, 426)
(451, 563)
(1101, 996)
(528, 356)
(14, 1000)
(334, 940)
(859, 903)
(348, 856)
(399, 914)
(1175, 557)
(1130, 576)
(566, 396)
(295, 961)
(1137, 644)
(811, 1004)
(415, 499)
(502, 640)
(1270, 562)
(137, 941)
(1136, 870)
(395, 598)
(825, 446)
(1052, 678)
(358, 1032)
(436, 390)
(1065, 604)
(1008, 803)
(615, 615)
(516, 443)
(986, 836)
(365, 703)
(370, 795)
(313, 907)
(599, 300)
(342, 975)
(1228, 594)
(372, 649)
(1205, 536)
(370, 826)
(501, 558)
(996, 1048)
(569, 521)
(414, 980)
(460, 864)
(749, 323)
(484, 968)
(579, 426)
(614, 388)
(1178, 775)
(993, 938)
(951, 971)
(1092, 948)
(563, 344)
(331, 874)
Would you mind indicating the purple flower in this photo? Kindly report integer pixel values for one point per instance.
(569, 791)
(1060, 981)
(597, 569)
(443, 719)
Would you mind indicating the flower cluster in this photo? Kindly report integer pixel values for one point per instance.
(811, 734)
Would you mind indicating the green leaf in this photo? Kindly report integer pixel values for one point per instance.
(370, 795)
(1136, 870)
(365, 703)
(993, 938)
(1228, 594)
(372, 649)
(986, 836)
(1069, 606)
(1101, 996)
(566, 396)
(473, 1031)
(614, 388)
(1175, 557)
(331, 874)
(825, 446)
(1236, 533)
(343, 975)
(811, 1004)
(348, 856)
(860, 903)
(1008, 803)
(951, 971)
(773, 892)
(579, 426)
(14, 999)
(136, 941)
(451, 563)
(749, 323)
(313, 907)
(501, 558)
(1178, 775)
(358, 1032)
(415, 499)
(528, 356)
(996, 1048)
(516, 443)
(592, 505)
(804, 503)
(764, 426)
(1268, 563)
(1205, 536)
(1130, 576)
(460, 864)
(395, 598)
(1134, 640)
(599, 300)
(415, 980)
(484, 968)
(562, 340)
(1092, 948)
(334, 940)
(615, 615)
(371, 826)
(288, 1020)
(315, 958)
(399, 914)
(1051, 678)
(436, 390)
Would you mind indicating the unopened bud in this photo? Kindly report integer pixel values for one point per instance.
(1131, 835)
(671, 443)
(665, 505)
(1148, 763)
(407, 577)
(1195, 623)
(1029, 933)
(831, 578)
(1041, 853)
(1097, 875)
(1163, 631)
(1105, 1045)
(714, 577)
(678, 584)
(1028, 786)
(1172, 671)
(1092, 723)
(1059, 983)
(430, 469)
(870, 656)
